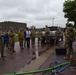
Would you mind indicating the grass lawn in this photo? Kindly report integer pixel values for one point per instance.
(16, 38)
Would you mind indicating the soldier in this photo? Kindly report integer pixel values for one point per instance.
(11, 35)
(39, 34)
(33, 34)
(47, 35)
(61, 34)
(69, 39)
(1, 43)
(21, 38)
(58, 35)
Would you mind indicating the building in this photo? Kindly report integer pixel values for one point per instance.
(16, 25)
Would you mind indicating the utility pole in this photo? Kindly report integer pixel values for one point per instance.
(53, 21)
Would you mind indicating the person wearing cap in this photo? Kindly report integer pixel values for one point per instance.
(1, 43)
(21, 38)
(39, 34)
(58, 35)
(47, 35)
(11, 35)
(69, 39)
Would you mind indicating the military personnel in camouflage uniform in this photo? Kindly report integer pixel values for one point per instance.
(58, 34)
(21, 38)
(11, 35)
(69, 39)
(61, 34)
(39, 34)
(47, 35)
(1, 44)
(33, 34)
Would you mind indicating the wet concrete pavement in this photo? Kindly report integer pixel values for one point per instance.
(15, 61)
(48, 63)
(46, 60)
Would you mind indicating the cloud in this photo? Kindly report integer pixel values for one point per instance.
(33, 12)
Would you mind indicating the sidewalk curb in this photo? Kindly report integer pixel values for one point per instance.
(35, 64)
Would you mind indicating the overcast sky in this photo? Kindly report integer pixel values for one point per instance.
(33, 12)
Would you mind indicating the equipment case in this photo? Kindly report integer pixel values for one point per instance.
(60, 51)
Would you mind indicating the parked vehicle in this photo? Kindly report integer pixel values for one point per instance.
(52, 34)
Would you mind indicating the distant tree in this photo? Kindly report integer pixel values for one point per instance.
(32, 27)
(69, 8)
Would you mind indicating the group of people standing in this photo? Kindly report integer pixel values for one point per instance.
(25, 35)
(69, 35)
(6, 39)
(48, 36)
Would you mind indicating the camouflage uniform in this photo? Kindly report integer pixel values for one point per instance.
(21, 38)
(69, 35)
(11, 35)
(61, 34)
(47, 36)
(33, 37)
(66, 34)
(1, 45)
(39, 37)
(58, 33)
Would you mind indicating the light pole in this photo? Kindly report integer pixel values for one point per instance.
(53, 21)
